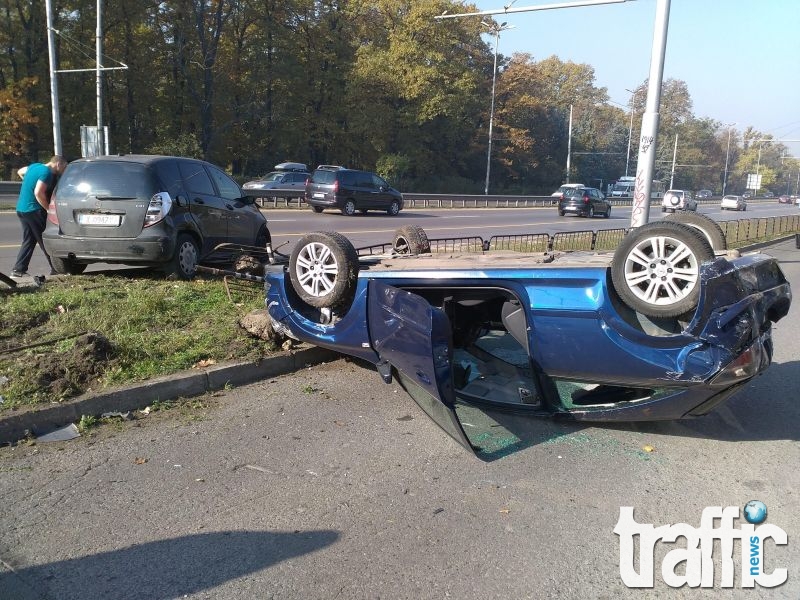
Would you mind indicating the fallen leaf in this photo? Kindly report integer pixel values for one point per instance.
(206, 362)
(648, 448)
(139, 460)
(504, 511)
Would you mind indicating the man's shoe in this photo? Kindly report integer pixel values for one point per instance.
(18, 274)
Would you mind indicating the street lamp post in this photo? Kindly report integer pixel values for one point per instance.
(630, 130)
(496, 29)
(727, 156)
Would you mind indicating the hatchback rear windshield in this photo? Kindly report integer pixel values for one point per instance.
(106, 180)
(326, 177)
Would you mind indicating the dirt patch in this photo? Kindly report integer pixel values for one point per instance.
(71, 372)
(16, 325)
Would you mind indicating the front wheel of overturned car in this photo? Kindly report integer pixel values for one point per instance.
(323, 269)
(656, 268)
(411, 239)
(705, 225)
(183, 263)
(65, 266)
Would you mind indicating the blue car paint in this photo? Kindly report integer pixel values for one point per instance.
(570, 310)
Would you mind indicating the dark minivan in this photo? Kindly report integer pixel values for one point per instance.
(350, 190)
(162, 211)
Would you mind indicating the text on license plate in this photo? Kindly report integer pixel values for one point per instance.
(319, 194)
(105, 220)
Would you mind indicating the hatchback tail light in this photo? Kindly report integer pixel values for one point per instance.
(336, 185)
(159, 207)
(52, 216)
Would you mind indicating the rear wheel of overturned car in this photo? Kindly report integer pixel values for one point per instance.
(323, 269)
(411, 239)
(349, 208)
(706, 225)
(65, 266)
(183, 263)
(656, 268)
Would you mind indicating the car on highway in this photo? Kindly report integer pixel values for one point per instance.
(662, 328)
(288, 180)
(732, 202)
(784, 199)
(350, 190)
(703, 194)
(584, 202)
(678, 200)
(163, 211)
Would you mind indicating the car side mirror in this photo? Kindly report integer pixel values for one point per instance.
(247, 200)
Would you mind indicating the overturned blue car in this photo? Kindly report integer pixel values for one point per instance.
(667, 326)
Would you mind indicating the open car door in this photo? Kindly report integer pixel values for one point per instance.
(414, 337)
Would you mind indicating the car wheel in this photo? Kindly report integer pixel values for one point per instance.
(590, 213)
(183, 263)
(65, 266)
(561, 213)
(349, 208)
(394, 208)
(323, 269)
(608, 212)
(656, 268)
(707, 226)
(411, 239)
(317, 209)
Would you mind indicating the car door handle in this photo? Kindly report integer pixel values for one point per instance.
(199, 201)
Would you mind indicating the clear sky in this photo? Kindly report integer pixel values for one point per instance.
(739, 58)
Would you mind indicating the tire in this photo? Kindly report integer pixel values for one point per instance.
(317, 209)
(608, 213)
(183, 263)
(394, 208)
(65, 266)
(411, 239)
(590, 213)
(349, 208)
(561, 213)
(656, 268)
(323, 269)
(707, 226)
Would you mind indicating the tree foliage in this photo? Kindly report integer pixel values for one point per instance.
(377, 84)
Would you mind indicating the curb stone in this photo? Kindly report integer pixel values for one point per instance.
(14, 425)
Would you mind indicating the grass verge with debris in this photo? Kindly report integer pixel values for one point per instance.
(81, 333)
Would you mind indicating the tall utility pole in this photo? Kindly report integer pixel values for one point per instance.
(496, 29)
(674, 157)
(727, 156)
(646, 166)
(101, 145)
(630, 130)
(51, 46)
(569, 143)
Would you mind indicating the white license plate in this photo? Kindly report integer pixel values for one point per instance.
(103, 220)
(318, 195)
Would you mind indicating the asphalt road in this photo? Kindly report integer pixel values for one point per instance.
(330, 484)
(287, 225)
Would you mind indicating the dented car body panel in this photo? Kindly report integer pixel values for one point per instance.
(545, 335)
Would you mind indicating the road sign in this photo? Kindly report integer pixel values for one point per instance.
(753, 181)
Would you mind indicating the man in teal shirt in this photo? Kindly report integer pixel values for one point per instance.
(38, 181)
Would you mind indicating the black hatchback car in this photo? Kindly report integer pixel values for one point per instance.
(162, 211)
(585, 202)
(350, 190)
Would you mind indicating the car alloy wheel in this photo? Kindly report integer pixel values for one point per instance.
(656, 268)
(349, 208)
(394, 208)
(323, 269)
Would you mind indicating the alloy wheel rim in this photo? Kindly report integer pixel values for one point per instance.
(316, 269)
(661, 270)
